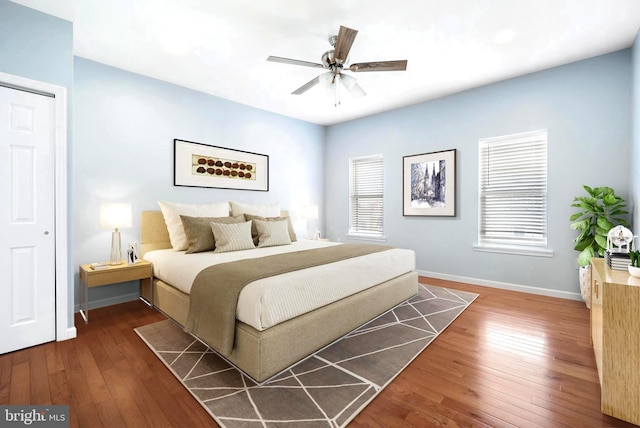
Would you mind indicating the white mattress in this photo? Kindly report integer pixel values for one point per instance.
(267, 302)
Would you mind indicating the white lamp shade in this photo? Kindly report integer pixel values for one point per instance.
(310, 212)
(327, 80)
(352, 86)
(114, 216)
(348, 81)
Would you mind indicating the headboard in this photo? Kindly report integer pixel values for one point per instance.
(154, 234)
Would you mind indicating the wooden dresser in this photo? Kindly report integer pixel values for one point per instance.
(615, 334)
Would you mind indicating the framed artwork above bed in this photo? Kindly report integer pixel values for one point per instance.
(202, 165)
(429, 184)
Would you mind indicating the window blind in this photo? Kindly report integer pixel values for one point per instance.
(366, 203)
(513, 190)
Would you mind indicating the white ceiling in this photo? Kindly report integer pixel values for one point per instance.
(220, 46)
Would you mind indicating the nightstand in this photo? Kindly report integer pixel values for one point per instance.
(112, 274)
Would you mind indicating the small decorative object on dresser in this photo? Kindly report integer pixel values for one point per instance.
(619, 248)
(634, 271)
(633, 268)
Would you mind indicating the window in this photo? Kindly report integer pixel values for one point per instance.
(366, 204)
(513, 192)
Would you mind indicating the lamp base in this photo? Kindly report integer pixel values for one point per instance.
(116, 249)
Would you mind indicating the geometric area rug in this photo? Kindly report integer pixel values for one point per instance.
(328, 388)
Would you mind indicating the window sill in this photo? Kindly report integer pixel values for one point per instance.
(522, 251)
(366, 237)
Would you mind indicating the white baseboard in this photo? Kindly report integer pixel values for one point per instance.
(71, 333)
(101, 303)
(503, 285)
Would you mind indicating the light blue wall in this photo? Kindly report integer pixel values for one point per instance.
(39, 47)
(124, 129)
(586, 108)
(35, 45)
(635, 157)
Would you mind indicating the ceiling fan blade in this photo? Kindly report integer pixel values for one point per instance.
(400, 65)
(304, 88)
(352, 86)
(294, 62)
(346, 36)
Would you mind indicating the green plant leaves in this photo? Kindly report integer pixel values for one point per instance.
(599, 213)
(585, 256)
(575, 216)
(581, 225)
(602, 243)
(581, 245)
(604, 223)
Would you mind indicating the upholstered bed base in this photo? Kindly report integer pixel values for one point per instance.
(262, 354)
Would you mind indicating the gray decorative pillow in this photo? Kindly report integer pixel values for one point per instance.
(232, 237)
(171, 211)
(254, 231)
(199, 234)
(272, 233)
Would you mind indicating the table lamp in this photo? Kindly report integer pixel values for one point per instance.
(310, 212)
(115, 216)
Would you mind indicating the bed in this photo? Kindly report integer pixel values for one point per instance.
(264, 351)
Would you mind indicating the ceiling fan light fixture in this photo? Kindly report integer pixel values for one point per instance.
(348, 81)
(352, 86)
(327, 80)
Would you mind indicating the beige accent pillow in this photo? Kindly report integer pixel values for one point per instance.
(272, 233)
(232, 237)
(199, 233)
(172, 212)
(271, 210)
(254, 231)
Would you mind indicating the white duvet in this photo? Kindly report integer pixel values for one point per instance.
(267, 302)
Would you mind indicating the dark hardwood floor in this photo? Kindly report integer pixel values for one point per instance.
(510, 359)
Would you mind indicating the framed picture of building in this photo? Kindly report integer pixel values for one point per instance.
(429, 184)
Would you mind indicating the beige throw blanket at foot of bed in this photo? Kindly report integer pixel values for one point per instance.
(215, 291)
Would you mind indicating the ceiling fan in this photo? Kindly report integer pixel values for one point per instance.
(335, 61)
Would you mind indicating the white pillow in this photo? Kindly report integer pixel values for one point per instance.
(232, 237)
(272, 233)
(272, 210)
(172, 212)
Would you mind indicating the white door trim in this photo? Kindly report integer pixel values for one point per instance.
(64, 331)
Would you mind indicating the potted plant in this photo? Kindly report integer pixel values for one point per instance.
(600, 211)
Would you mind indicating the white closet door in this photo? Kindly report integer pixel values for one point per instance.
(27, 219)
